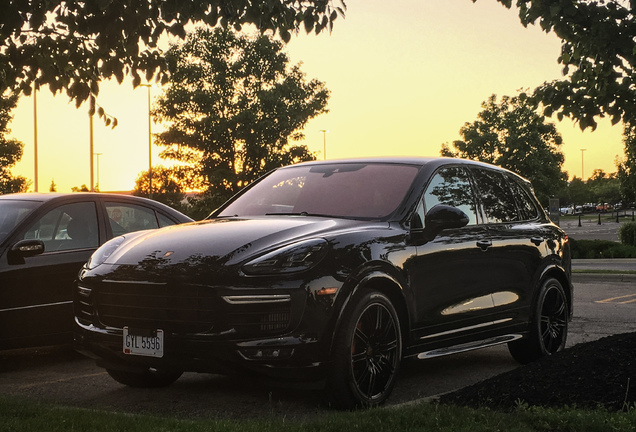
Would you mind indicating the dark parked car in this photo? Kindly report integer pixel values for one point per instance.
(331, 273)
(44, 241)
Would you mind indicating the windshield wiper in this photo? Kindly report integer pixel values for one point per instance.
(300, 214)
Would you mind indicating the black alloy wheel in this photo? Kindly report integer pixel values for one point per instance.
(549, 327)
(368, 353)
(553, 320)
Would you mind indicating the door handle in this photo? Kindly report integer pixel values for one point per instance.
(484, 244)
(536, 240)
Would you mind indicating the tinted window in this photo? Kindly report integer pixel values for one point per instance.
(12, 213)
(71, 226)
(526, 204)
(125, 218)
(165, 220)
(355, 190)
(451, 186)
(497, 199)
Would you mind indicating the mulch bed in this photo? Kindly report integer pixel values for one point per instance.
(588, 375)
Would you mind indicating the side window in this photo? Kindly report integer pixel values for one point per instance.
(451, 186)
(496, 197)
(71, 226)
(164, 220)
(527, 205)
(125, 218)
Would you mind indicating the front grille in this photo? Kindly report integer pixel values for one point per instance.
(183, 309)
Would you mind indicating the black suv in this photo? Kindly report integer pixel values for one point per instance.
(332, 272)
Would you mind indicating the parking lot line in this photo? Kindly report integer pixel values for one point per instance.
(614, 299)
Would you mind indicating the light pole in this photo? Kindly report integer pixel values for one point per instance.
(98, 155)
(35, 133)
(324, 142)
(91, 114)
(149, 144)
(582, 166)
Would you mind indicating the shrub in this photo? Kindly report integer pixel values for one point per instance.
(601, 249)
(627, 233)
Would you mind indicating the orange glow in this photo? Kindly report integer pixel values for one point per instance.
(404, 77)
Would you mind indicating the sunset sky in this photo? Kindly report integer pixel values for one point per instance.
(404, 77)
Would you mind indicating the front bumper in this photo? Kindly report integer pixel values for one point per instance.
(285, 359)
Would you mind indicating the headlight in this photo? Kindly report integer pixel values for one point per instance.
(101, 255)
(293, 258)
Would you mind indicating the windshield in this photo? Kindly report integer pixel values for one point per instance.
(348, 190)
(11, 213)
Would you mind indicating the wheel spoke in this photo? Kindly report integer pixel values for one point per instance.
(374, 351)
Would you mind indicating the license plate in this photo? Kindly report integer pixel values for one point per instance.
(149, 344)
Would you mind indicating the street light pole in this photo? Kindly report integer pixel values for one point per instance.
(582, 166)
(149, 144)
(98, 155)
(90, 129)
(35, 134)
(324, 142)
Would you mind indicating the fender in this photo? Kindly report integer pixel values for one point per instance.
(375, 278)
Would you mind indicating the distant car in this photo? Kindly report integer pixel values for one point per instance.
(44, 241)
(330, 273)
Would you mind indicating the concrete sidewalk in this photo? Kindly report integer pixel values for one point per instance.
(615, 265)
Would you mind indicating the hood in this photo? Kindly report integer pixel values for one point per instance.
(225, 241)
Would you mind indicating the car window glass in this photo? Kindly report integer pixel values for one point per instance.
(70, 226)
(352, 190)
(125, 218)
(451, 186)
(12, 213)
(164, 220)
(527, 206)
(496, 196)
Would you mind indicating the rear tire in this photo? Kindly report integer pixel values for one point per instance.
(150, 378)
(549, 326)
(367, 354)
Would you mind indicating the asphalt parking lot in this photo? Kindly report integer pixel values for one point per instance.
(590, 229)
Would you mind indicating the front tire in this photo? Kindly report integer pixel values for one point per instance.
(150, 378)
(549, 326)
(367, 354)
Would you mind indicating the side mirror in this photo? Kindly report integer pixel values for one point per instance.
(443, 217)
(25, 249)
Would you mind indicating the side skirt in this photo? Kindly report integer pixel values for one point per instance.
(469, 346)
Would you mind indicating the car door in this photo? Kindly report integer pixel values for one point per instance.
(449, 274)
(37, 291)
(517, 238)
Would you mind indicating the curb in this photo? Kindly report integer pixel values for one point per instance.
(602, 277)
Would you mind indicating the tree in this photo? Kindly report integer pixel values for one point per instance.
(627, 165)
(53, 187)
(10, 149)
(598, 54)
(604, 187)
(169, 185)
(82, 188)
(233, 105)
(512, 135)
(72, 46)
(579, 192)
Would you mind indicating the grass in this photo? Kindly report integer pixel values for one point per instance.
(23, 415)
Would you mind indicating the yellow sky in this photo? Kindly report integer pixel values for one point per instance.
(404, 76)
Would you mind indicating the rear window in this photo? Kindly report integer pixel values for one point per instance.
(496, 197)
(527, 206)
